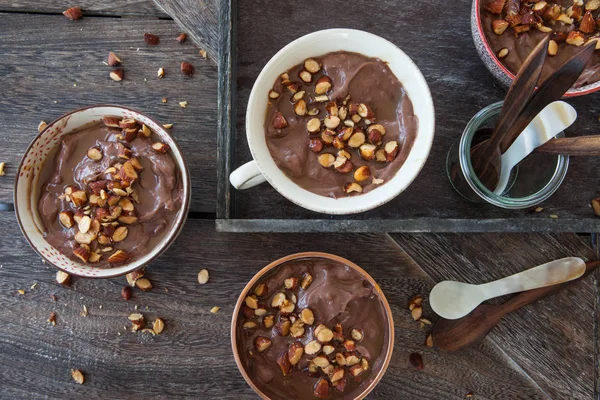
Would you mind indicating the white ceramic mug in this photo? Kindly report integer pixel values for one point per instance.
(315, 44)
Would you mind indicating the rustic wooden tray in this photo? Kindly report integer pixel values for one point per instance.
(438, 39)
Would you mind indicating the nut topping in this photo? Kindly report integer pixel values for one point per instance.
(499, 26)
(300, 108)
(297, 329)
(119, 256)
(315, 145)
(322, 389)
(73, 13)
(332, 122)
(278, 300)
(252, 302)
(312, 66)
(391, 150)
(262, 343)
(295, 352)
(151, 39)
(283, 326)
(307, 316)
(94, 153)
(116, 74)
(284, 363)
(326, 160)
(323, 85)
(362, 173)
(305, 76)
(312, 347)
(323, 334)
(367, 151)
(306, 280)
(66, 218)
(291, 283)
(356, 140)
(313, 125)
(352, 187)
(357, 334)
(503, 52)
(273, 94)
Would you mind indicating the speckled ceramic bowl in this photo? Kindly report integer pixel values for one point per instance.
(495, 66)
(26, 193)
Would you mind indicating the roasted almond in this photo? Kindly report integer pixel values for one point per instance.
(305, 76)
(73, 13)
(76, 374)
(312, 66)
(326, 160)
(187, 68)
(587, 25)
(284, 363)
(323, 85)
(117, 74)
(158, 325)
(151, 39)
(66, 219)
(323, 334)
(252, 302)
(143, 284)
(82, 253)
(307, 316)
(160, 147)
(499, 26)
(181, 38)
(262, 343)
(119, 256)
(575, 38)
(278, 300)
(300, 108)
(113, 59)
(552, 48)
(321, 389)
(306, 281)
(279, 121)
(295, 352)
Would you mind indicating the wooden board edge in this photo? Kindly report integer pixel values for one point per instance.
(417, 225)
(226, 106)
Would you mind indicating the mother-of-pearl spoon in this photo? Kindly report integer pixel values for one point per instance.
(453, 300)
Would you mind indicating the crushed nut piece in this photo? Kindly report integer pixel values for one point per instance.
(158, 325)
(215, 309)
(52, 318)
(77, 376)
(42, 125)
(203, 276)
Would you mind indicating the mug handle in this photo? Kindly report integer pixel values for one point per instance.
(246, 176)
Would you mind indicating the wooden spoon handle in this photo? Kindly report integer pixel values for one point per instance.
(532, 296)
(552, 89)
(573, 146)
(518, 96)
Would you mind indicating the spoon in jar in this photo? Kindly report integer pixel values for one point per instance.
(553, 119)
(453, 300)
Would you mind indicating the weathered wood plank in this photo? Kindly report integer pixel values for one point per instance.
(551, 340)
(458, 80)
(193, 356)
(201, 19)
(51, 65)
(89, 7)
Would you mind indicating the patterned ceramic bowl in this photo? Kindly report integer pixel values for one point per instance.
(26, 194)
(494, 65)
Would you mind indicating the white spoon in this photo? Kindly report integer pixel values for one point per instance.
(453, 300)
(551, 121)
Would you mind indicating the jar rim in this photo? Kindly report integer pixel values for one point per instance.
(488, 195)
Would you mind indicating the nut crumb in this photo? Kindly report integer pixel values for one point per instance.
(469, 395)
(183, 104)
(167, 126)
(161, 72)
(164, 99)
(539, 209)
(553, 216)
(84, 313)
(2, 164)
(77, 376)
(21, 291)
(158, 326)
(53, 297)
(33, 286)
(52, 318)
(42, 125)
(215, 309)
(203, 276)
(203, 53)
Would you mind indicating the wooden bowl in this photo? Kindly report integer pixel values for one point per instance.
(387, 354)
(26, 192)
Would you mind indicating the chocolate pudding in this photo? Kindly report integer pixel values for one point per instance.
(312, 328)
(512, 29)
(110, 194)
(340, 124)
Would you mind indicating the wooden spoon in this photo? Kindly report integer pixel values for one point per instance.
(572, 146)
(454, 335)
(486, 156)
(552, 89)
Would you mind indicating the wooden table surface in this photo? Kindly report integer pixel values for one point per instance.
(50, 65)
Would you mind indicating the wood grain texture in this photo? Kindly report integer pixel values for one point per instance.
(460, 85)
(51, 65)
(192, 357)
(89, 7)
(551, 340)
(200, 18)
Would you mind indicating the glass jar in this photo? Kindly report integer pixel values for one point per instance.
(531, 182)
